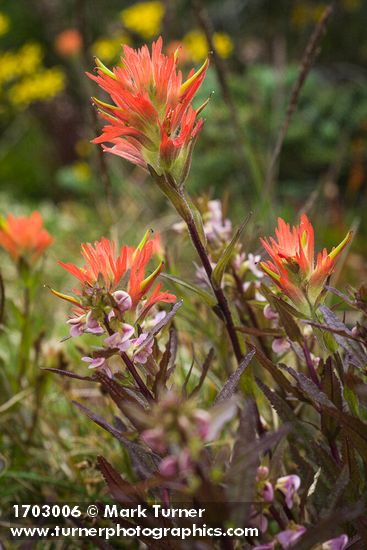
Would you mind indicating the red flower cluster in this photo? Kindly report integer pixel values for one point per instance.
(24, 237)
(131, 263)
(151, 121)
(292, 266)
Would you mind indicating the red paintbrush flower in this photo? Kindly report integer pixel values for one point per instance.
(24, 237)
(151, 121)
(292, 266)
(104, 265)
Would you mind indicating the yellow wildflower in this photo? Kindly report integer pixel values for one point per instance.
(15, 64)
(144, 18)
(4, 23)
(197, 45)
(108, 49)
(41, 86)
(223, 44)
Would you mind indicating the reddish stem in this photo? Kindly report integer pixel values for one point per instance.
(219, 294)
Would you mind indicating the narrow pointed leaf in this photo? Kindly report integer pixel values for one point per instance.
(231, 385)
(209, 299)
(220, 268)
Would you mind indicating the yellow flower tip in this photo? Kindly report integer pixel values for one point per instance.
(152, 276)
(66, 297)
(189, 81)
(100, 103)
(338, 249)
(177, 53)
(102, 67)
(269, 272)
(147, 234)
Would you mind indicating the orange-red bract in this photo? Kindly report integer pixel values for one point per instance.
(24, 237)
(101, 260)
(292, 266)
(151, 121)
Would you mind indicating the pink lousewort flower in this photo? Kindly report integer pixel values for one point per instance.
(265, 488)
(77, 323)
(99, 363)
(92, 325)
(289, 486)
(123, 300)
(292, 266)
(151, 120)
(253, 261)
(262, 473)
(143, 348)
(289, 537)
(155, 439)
(203, 421)
(94, 362)
(217, 228)
(280, 345)
(338, 543)
(121, 340)
(270, 314)
(267, 492)
(259, 520)
(169, 466)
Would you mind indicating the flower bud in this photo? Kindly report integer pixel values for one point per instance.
(169, 466)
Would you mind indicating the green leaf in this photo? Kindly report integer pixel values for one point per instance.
(209, 299)
(221, 266)
(198, 221)
(356, 354)
(270, 296)
(309, 388)
(204, 371)
(119, 489)
(338, 490)
(354, 428)
(330, 385)
(245, 460)
(286, 314)
(329, 527)
(145, 462)
(277, 375)
(231, 385)
(166, 364)
(352, 400)
(277, 402)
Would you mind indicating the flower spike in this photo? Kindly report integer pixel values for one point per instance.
(151, 121)
(292, 266)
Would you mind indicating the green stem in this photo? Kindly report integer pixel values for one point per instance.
(23, 356)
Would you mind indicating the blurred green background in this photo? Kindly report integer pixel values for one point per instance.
(47, 123)
(47, 120)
